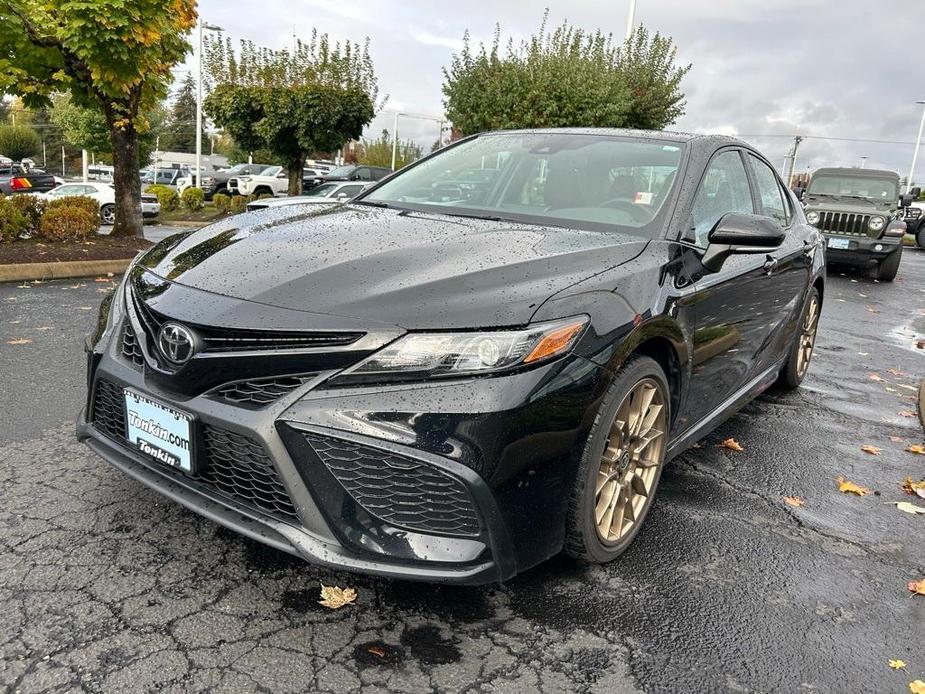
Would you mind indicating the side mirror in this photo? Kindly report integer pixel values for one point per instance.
(341, 196)
(798, 191)
(915, 192)
(906, 200)
(737, 233)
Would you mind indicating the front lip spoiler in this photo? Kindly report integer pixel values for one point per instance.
(269, 531)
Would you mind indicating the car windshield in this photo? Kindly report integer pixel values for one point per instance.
(271, 171)
(342, 170)
(585, 181)
(322, 191)
(875, 188)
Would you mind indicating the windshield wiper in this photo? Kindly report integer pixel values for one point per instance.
(374, 203)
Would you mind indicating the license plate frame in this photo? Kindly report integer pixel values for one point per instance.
(839, 244)
(160, 431)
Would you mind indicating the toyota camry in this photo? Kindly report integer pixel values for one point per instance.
(481, 361)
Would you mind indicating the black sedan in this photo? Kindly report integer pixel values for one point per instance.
(456, 387)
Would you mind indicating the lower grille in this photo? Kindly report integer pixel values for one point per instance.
(401, 491)
(844, 223)
(260, 392)
(131, 350)
(231, 464)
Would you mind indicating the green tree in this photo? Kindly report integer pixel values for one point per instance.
(313, 99)
(567, 77)
(378, 152)
(19, 141)
(111, 55)
(180, 128)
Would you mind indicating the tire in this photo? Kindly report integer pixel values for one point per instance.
(584, 537)
(263, 190)
(920, 236)
(889, 266)
(794, 370)
(108, 214)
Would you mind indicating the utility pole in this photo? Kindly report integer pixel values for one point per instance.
(440, 136)
(915, 152)
(394, 139)
(791, 160)
(863, 162)
(200, 25)
(157, 156)
(85, 165)
(62, 162)
(631, 19)
(44, 156)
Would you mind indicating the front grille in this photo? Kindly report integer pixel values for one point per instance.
(913, 213)
(401, 491)
(232, 464)
(245, 340)
(260, 392)
(131, 350)
(844, 223)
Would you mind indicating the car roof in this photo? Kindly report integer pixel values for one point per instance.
(854, 171)
(660, 135)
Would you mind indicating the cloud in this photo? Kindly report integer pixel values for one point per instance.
(428, 39)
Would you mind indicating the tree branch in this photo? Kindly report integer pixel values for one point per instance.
(31, 32)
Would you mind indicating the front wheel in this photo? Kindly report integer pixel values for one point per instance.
(801, 351)
(920, 236)
(621, 464)
(108, 215)
(889, 266)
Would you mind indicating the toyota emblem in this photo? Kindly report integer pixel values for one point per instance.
(176, 342)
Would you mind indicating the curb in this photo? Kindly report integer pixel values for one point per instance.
(70, 268)
(188, 225)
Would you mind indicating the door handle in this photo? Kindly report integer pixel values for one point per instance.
(770, 266)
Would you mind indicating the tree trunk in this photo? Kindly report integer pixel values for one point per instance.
(125, 180)
(296, 164)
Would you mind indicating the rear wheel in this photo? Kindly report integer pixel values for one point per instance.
(801, 352)
(108, 214)
(621, 464)
(889, 266)
(920, 236)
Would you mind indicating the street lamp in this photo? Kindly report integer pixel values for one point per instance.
(915, 152)
(863, 161)
(200, 25)
(631, 19)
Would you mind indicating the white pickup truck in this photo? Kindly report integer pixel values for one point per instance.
(273, 180)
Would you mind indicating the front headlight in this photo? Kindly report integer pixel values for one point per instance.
(460, 353)
(876, 223)
(244, 179)
(812, 217)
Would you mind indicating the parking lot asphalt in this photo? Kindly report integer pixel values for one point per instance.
(105, 586)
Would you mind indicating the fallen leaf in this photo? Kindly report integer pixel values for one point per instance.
(896, 439)
(917, 687)
(906, 413)
(873, 310)
(896, 372)
(914, 488)
(101, 279)
(847, 487)
(380, 652)
(920, 344)
(896, 664)
(335, 596)
(874, 377)
(906, 507)
(19, 341)
(917, 587)
(793, 501)
(872, 450)
(916, 448)
(732, 445)
(908, 387)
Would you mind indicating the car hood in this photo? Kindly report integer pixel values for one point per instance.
(407, 269)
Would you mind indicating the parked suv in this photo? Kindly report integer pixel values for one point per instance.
(353, 172)
(860, 213)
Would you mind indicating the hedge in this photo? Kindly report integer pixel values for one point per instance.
(166, 196)
(13, 222)
(63, 223)
(193, 199)
(222, 202)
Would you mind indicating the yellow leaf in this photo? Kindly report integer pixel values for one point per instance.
(906, 413)
(917, 687)
(896, 664)
(873, 450)
(19, 341)
(916, 448)
(917, 587)
(793, 501)
(335, 596)
(914, 488)
(846, 487)
(907, 507)
(732, 445)
(874, 377)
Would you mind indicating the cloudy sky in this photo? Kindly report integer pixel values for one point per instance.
(762, 70)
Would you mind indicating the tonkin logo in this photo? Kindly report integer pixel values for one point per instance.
(176, 342)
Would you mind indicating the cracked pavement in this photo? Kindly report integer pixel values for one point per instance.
(105, 586)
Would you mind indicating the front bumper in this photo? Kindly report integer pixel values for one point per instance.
(150, 209)
(504, 445)
(862, 250)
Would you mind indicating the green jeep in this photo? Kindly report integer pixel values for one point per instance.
(860, 213)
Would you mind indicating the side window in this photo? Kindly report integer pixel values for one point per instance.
(724, 189)
(349, 191)
(769, 191)
(362, 174)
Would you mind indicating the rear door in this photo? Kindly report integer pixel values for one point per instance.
(790, 265)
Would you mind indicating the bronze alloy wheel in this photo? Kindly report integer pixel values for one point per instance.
(808, 335)
(629, 465)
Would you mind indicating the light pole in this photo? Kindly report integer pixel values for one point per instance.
(395, 138)
(200, 25)
(863, 162)
(631, 19)
(915, 152)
